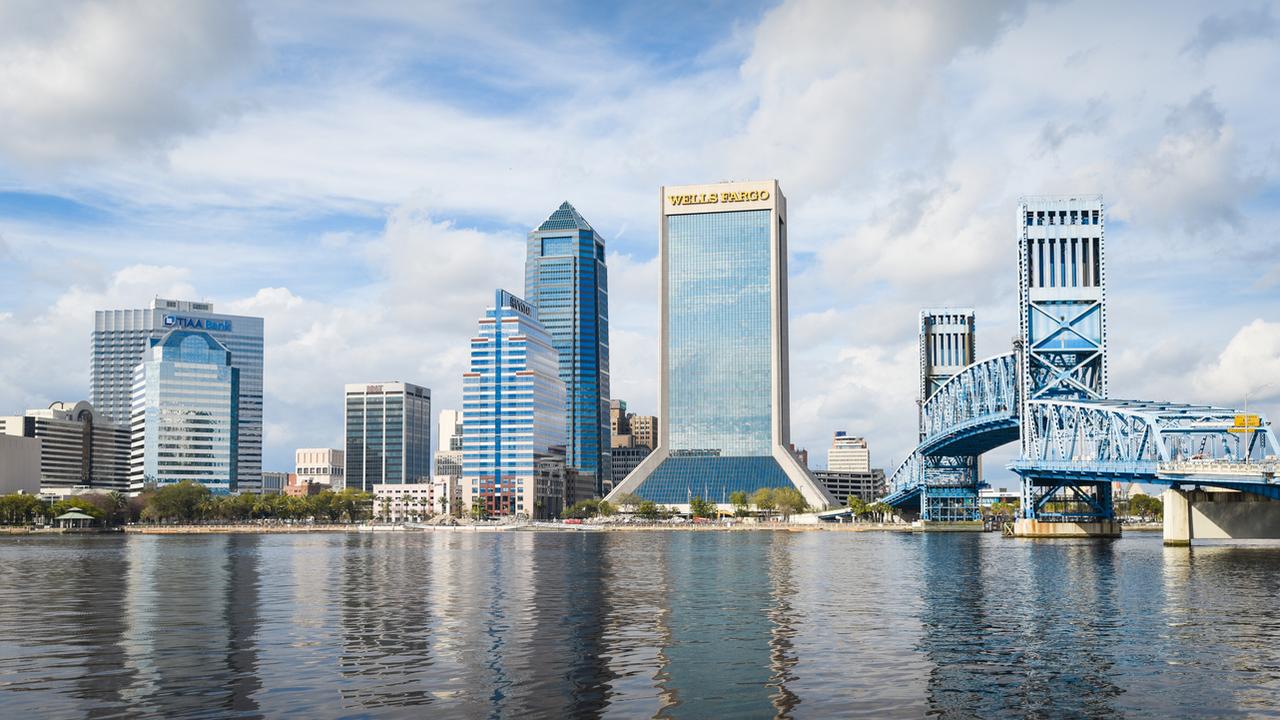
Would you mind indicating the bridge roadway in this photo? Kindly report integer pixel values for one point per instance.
(1077, 444)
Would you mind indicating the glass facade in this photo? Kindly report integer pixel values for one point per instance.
(122, 337)
(185, 414)
(513, 413)
(566, 280)
(388, 435)
(724, 396)
(719, 336)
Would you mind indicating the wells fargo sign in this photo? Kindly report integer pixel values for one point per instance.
(719, 198)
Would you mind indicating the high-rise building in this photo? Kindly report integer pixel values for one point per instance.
(644, 430)
(513, 406)
(186, 415)
(388, 432)
(449, 456)
(121, 337)
(848, 454)
(78, 447)
(566, 280)
(325, 466)
(946, 346)
(451, 429)
(724, 420)
(625, 459)
(618, 416)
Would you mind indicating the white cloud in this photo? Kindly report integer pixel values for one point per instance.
(90, 80)
(47, 352)
(1250, 363)
(902, 133)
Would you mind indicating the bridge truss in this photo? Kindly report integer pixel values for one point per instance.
(1074, 450)
(973, 412)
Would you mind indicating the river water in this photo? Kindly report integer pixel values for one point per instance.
(635, 624)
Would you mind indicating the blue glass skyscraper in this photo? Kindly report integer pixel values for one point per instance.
(724, 423)
(566, 280)
(186, 414)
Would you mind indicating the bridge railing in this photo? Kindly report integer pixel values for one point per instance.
(985, 389)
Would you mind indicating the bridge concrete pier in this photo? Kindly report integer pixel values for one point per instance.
(1030, 528)
(1218, 514)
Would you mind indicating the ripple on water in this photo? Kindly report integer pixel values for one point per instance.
(635, 625)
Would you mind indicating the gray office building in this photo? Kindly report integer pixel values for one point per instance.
(78, 448)
(121, 337)
(388, 431)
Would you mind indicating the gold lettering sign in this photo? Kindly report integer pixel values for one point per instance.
(719, 198)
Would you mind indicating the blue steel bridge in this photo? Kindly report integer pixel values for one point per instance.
(1050, 394)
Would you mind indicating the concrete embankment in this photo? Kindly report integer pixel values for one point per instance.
(215, 529)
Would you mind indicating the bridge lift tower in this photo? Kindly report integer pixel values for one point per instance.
(1063, 323)
(949, 493)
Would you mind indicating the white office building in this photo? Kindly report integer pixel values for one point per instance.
(326, 466)
(403, 502)
(448, 459)
(848, 454)
(121, 337)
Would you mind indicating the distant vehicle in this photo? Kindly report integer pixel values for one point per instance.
(572, 521)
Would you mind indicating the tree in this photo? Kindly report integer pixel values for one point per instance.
(648, 510)
(1145, 506)
(740, 503)
(857, 506)
(1004, 509)
(606, 508)
(764, 500)
(478, 511)
(582, 509)
(880, 510)
(702, 508)
(629, 502)
(789, 501)
(77, 502)
(179, 502)
(21, 509)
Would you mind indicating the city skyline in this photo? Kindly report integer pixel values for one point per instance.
(207, 198)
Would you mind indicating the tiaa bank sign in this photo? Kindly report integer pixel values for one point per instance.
(180, 322)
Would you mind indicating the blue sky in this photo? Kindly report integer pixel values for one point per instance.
(363, 177)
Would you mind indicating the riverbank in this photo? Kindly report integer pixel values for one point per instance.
(238, 529)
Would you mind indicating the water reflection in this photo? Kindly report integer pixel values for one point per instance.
(634, 625)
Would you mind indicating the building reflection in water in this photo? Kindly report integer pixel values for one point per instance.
(718, 660)
(782, 656)
(385, 622)
(191, 621)
(1010, 636)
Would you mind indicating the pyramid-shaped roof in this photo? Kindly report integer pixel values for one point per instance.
(566, 217)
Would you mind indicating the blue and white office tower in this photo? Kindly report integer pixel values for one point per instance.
(513, 415)
(185, 414)
(565, 279)
(122, 337)
(724, 423)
